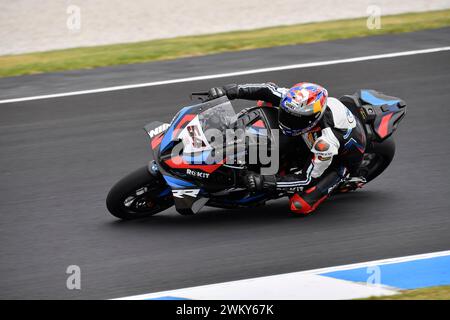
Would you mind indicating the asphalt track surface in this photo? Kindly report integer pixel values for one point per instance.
(59, 82)
(59, 157)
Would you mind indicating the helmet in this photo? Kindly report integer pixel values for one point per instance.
(301, 108)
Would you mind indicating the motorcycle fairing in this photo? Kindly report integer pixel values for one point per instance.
(185, 116)
(187, 196)
(191, 192)
(183, 162)
(380, 113)
(376, 98)
(187, 191)
(155, 131)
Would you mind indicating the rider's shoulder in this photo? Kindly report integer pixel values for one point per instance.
(338, 115)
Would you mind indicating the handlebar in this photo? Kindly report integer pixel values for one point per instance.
(200, 94)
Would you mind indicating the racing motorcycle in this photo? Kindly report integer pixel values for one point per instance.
(181, 173)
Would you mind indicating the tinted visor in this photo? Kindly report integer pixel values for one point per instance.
(294, 123)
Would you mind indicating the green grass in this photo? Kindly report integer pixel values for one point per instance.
(432, 293)
(100, 56)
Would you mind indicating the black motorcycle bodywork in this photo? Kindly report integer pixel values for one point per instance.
(192, 181)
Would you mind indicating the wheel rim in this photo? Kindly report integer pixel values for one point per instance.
(369, 164)
(142, 200)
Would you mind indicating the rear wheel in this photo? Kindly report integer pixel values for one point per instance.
(138, 195)
(377, 159)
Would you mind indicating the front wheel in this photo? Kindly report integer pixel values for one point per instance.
(138, 195)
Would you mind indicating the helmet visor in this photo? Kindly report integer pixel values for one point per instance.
(295, 125)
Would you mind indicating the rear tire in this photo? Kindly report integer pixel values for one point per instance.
(382, 153)
(138, 195)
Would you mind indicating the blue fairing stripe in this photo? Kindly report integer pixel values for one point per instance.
(246, 199)
(177, 183)
(249, 199)
(368, 97)
(165, 192)
(168, 135)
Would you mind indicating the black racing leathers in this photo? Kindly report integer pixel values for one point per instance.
(337, 143)
(268, 92)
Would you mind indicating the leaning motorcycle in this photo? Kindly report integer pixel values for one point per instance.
(181, 171)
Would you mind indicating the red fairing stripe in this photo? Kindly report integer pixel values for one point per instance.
(185, 119)
(383, 128)
(179, 163)
(261, 103)
(259, 124)
(157, 140)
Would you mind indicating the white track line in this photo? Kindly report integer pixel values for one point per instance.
(307, 272)
(230, 74)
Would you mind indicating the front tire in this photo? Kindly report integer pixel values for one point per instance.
(138, 195)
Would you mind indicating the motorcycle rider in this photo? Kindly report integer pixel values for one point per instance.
(334, 136)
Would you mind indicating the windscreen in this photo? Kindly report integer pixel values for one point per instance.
(220, 117)
(206, 130)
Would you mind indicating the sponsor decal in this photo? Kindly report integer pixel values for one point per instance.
(158, 130)
(350, 117)
(194, 139)
(295, 189)
(185, 192)
(197, 174)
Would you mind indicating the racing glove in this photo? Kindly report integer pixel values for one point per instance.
(257, 182)
(216, 92)
(229, 90)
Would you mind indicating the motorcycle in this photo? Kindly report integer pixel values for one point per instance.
(181, 172)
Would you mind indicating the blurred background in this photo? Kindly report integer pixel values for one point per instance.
(30, 25)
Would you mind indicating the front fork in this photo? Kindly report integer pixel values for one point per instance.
(153, 168)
